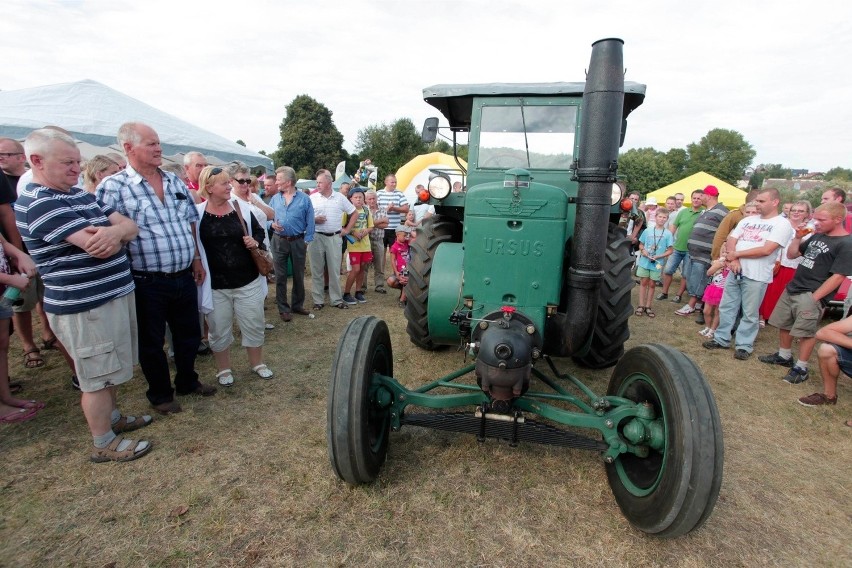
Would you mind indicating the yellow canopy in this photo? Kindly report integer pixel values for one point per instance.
(729, 195)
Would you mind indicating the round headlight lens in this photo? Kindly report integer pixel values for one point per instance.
(617, 194)
(439, 187)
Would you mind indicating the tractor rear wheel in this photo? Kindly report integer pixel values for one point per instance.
(358, 428)
(435, 230)
(614, 305)
(673, 490)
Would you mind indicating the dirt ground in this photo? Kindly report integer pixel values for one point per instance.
(243, 478)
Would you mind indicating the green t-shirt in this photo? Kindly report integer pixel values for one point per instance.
(683, 224)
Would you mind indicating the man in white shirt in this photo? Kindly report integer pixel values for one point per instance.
(325, 251)
(752, 247)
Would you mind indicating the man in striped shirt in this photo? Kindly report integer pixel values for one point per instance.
(164, 261)
(77, 242)
(394, 202)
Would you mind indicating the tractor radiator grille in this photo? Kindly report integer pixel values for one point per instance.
(526, 431)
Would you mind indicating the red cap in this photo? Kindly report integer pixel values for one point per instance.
(711, 190)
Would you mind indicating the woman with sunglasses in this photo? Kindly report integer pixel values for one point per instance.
(800, 215)
(233, 287)
(241, 188)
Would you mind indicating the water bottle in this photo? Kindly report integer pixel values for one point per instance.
(11, 297)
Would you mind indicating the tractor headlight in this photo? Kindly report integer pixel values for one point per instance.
(617, 194)
(439, 186)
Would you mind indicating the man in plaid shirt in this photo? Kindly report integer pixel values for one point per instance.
(377, 244)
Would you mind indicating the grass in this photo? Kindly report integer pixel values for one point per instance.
(243, 478)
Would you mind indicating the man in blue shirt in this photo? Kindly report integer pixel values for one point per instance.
(293, 228)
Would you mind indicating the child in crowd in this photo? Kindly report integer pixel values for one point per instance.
(655, 244)
(401, 254)
(713, 293)
(358, 247)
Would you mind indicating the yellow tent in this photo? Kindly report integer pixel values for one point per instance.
(417, 171)
(729, 195)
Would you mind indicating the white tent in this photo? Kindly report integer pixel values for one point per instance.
(92, 113)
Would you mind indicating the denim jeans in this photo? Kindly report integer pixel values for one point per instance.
(675, 260)
(697, 279)
(174, 301)
(739, 292)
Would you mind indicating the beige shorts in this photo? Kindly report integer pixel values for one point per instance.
(800, 314)
(102, 342)
(32, 294)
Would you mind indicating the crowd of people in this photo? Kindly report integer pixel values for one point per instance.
(743, 269)
(120, 256)
(123, 255)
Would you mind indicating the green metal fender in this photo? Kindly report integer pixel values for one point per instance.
(445, 290)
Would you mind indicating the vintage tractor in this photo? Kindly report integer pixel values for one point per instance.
(528, 264)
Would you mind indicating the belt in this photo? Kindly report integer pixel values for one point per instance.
(169, 275)
(294, 238)
(329, 234)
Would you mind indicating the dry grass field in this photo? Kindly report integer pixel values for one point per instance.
(243, 478)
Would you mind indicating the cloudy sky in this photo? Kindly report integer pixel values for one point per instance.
(777, 72)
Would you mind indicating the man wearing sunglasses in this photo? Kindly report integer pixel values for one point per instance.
(165, 263)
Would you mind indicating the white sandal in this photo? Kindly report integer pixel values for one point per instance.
(226, 377)
(262, 371)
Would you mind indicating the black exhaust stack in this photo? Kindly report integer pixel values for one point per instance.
(603, 104)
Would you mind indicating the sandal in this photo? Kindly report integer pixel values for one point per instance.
(650, 313)
(28, 404)
(130, 452)
(226, 377)
(318, 307)
(639, 311)
(342, 306)
(125, 424)
(33, 358)
(48, 344)
(19, 415)
(262, 371)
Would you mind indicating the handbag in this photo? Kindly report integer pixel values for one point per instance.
(262, 258)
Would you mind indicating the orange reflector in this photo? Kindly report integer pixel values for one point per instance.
(424, 196)
(626, 204)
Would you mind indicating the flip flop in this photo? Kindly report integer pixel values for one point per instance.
(30, 404)
(20, 415)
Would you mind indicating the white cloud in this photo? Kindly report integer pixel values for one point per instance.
(777, 73)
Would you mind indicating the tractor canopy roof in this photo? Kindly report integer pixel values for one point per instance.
(456, 101)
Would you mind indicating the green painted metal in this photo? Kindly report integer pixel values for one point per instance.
(445, 291)
(641, 428)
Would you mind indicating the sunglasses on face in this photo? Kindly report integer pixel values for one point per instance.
(242, 181)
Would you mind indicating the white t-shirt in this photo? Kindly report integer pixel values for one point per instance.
(421, 210)
(332, 207)
(753, 232)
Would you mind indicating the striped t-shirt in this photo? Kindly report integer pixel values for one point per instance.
(392, 198)
(74, 281)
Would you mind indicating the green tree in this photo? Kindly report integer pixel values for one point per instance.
(309, 139)
(390, 146)
(777, 171)
(721, 153)
(839, 174)
(241, 143)
(756, 180)
(678, 160)
(645, 169)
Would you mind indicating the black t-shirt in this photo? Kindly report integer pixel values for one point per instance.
(822, 257)
(8, 193)
(230, 262)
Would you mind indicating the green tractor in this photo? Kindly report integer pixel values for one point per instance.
(526, 264)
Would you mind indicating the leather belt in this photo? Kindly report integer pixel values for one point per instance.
(169, 275)
(329, 234)
(294, 238)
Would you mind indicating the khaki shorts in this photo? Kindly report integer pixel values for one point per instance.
(800, 314)
(32, 294)
(102, 342)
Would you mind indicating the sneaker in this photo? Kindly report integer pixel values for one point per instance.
(685, 310)
(817, 399)
(349, 299)
(710, 334)
(676, 300)
(796, 376)
(700, 318)
(704, 331)
(776, 359)
(713, 345)
(360, 297)
(741, 354)
(662, 296)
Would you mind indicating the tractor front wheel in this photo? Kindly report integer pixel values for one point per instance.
(357, 426)
(673, 489)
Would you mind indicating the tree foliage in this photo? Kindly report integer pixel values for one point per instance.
(309, 139)
(645, 169)
(777, 171)
(839, 174)
(390, 146)
(721, 153)
(678, 160)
